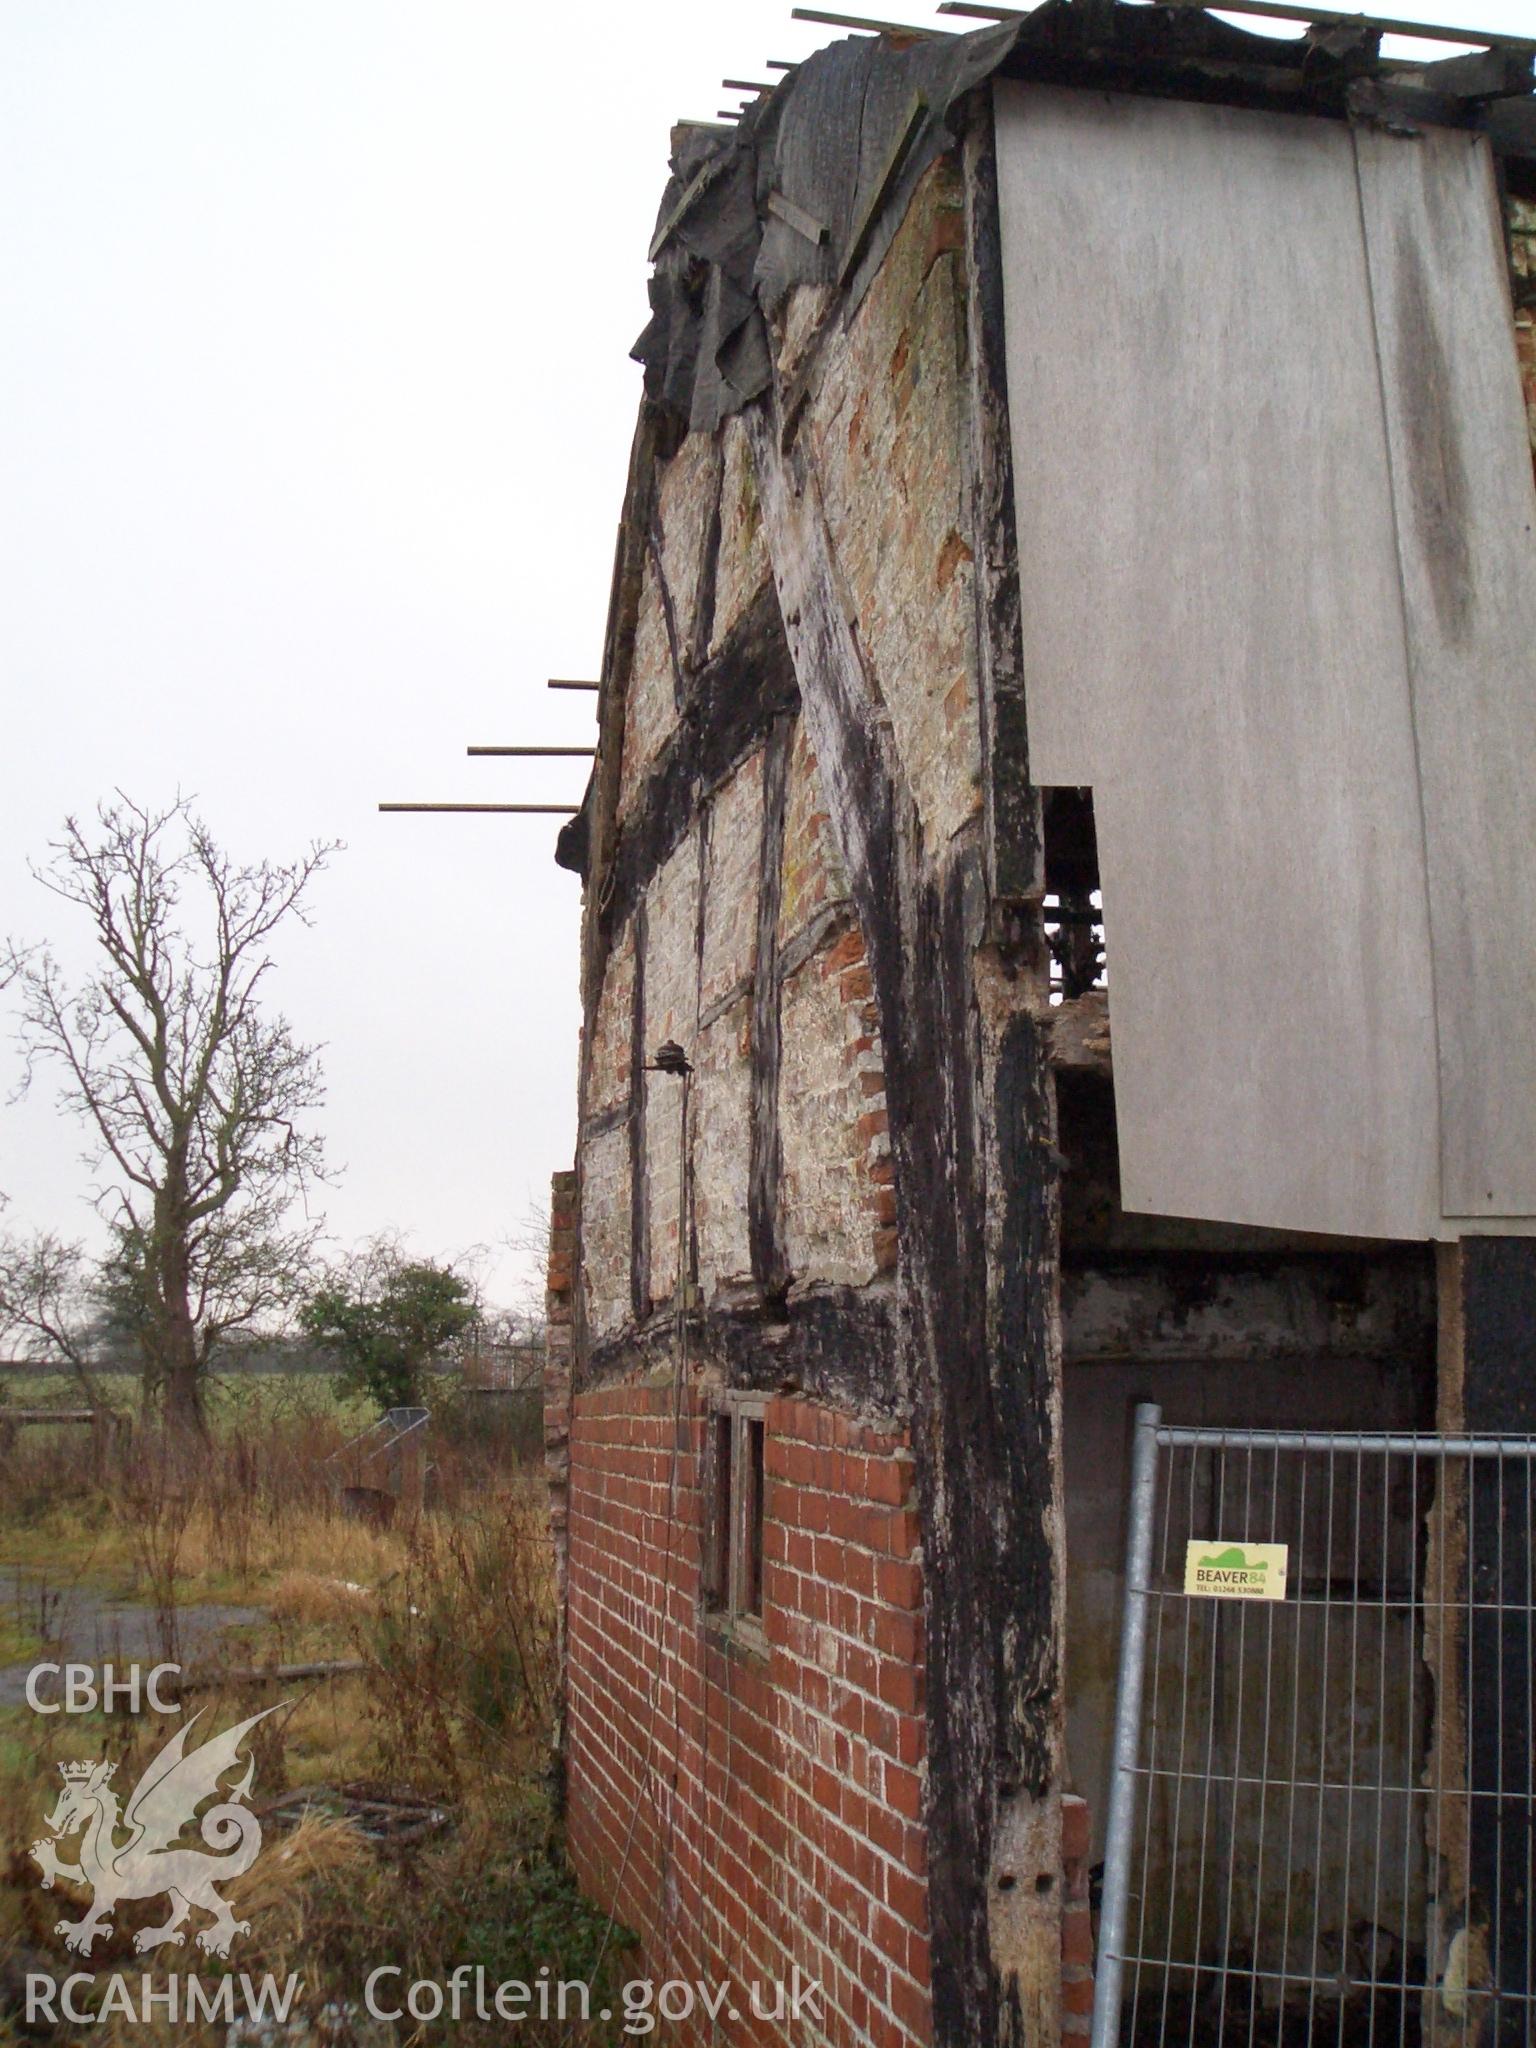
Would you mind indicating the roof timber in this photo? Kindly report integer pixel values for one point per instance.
(1276, 10)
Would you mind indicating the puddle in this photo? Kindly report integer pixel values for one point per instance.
(84, 1627)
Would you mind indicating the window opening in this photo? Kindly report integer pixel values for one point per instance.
(752, 1515)
(736, 1478)
(717, 1563)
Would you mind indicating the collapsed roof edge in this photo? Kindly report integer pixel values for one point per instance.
(812, 183)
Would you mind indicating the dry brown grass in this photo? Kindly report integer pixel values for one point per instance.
(453, 1617)
(326, 1600)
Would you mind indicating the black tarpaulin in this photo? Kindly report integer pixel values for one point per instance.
(846, 137)
(825, 142)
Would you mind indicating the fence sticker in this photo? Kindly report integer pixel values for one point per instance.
(1235, 1571)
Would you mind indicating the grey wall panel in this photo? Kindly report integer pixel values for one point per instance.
(1214, 640)
(1466, 521)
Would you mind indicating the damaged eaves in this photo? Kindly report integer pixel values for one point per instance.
(810, 185)
(1282, 10)
(819, 171)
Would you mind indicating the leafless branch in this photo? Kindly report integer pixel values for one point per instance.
(197, 1100)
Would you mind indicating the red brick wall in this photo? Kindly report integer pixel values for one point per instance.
(769, 1798)
(1076, 1921)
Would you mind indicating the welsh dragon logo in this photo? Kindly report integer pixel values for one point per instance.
(148, 1862)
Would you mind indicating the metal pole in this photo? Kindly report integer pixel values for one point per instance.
(1178, 1436)
(882, 28)
(487, 810)
(1121, 1829)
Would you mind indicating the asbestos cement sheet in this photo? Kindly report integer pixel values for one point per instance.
(1214, 640)
(1466, 523)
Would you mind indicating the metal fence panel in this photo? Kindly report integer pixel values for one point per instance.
(1321, 1805)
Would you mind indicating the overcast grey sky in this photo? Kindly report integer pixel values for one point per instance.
(315, 407)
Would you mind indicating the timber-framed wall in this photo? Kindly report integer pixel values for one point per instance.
(816, 863)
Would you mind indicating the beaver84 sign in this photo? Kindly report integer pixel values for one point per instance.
(1236, 1571)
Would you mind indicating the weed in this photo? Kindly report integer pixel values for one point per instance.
(451, 1617)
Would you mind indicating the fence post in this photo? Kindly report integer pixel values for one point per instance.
(1121, 1825)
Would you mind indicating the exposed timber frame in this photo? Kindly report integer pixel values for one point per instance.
(964, 1342)
(770, 1265)
(1014, 832)
(972, 1133)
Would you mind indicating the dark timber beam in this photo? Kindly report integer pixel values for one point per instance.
(765, 1235)
(833, 1345)
(1014, 833)
(1488, 1386)
(976, 1286)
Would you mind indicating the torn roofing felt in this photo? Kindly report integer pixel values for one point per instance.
(856, 124)
(847, 135)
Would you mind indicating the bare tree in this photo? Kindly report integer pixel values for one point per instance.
(530, 1239)
(195, 1098)
(48, 1308)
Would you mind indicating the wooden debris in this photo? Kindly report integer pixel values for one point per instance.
(267, 1674)
(394, 1818)
(797, 218)
(1080, 1033)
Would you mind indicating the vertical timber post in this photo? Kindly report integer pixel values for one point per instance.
(1488, 1387)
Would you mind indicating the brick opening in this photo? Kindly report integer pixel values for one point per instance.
(1073, 907)
(735, 1493)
